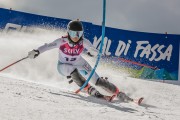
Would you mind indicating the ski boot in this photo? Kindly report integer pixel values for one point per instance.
(109, 87)
(80, 80)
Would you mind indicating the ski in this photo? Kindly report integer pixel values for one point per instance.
(109, 98)
(136, 101)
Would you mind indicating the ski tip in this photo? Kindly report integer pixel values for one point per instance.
(140, 100)
(77, 91)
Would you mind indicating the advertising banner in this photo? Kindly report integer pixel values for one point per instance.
(155, 56)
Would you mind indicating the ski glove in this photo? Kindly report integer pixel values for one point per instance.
(33, 54)
(88, 53)
(93, 52)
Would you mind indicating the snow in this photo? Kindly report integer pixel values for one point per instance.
(33, 89)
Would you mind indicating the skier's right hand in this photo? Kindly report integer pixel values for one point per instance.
(33, 54)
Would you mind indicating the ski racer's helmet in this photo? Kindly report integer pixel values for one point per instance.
(75, 29)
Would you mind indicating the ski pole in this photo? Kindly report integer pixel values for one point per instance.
(13, 63)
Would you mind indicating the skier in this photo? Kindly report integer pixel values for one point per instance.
(73, 65)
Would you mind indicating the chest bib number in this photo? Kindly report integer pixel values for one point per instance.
(70, 59)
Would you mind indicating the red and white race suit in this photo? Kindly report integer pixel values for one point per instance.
(70, 56)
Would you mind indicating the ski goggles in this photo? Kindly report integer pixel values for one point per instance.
(74, 34)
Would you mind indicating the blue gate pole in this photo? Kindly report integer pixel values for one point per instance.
(101, 47)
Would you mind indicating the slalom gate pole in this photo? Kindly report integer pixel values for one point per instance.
(13, 64)
(101, 47)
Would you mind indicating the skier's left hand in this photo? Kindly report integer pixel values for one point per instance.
(88, 53)
(93, 52)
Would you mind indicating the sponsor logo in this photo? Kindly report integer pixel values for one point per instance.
(16, 27)
(143, 48)
(66, 49)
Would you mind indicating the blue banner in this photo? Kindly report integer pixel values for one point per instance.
(158, 50)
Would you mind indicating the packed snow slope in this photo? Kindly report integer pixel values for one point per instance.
(33, 89)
